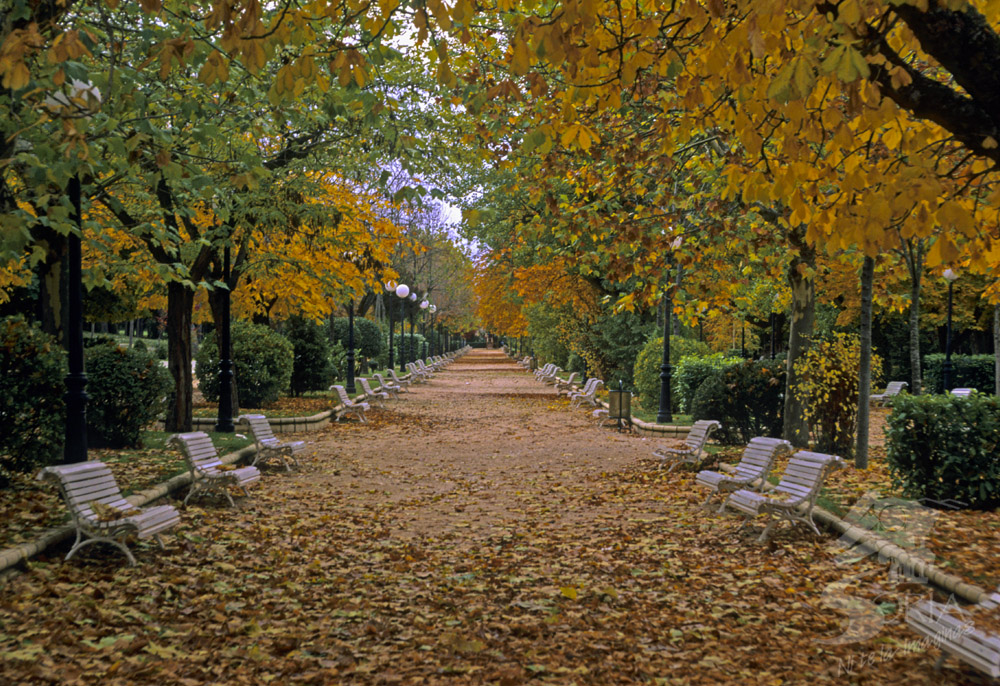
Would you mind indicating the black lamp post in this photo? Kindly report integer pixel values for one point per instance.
(950, 276)
(224, 422)
(75, 448)
(75, 445)
(663, 414)
(349, 386)
(402, 290)
(412, 350)
(390, 287)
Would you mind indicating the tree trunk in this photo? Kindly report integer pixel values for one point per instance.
(917, 377)
(800, 278)
(996, 347)
(53, 316)
(865, 369)
(180, 306)
(216, 300)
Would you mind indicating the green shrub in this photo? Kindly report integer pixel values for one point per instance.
(944, 447)
(646, 374)
(746, 397)
(127, 390)
(967, 371)
(160, 350)
(369, 340)
(828, 387)
(32, 413)
(262, 363)
(312, 368)
(411, 348)
(692, 372)
(338, 361)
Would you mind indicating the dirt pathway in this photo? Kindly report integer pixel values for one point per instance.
(476, 531)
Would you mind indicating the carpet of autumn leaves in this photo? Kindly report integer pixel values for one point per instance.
(475, 531)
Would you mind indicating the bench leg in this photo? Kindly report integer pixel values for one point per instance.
(118, 544)
(940, 661)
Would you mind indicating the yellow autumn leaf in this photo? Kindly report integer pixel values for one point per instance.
(569, 592)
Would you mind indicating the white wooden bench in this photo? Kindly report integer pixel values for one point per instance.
(524, 362)
(348, 406)
(588, 394)
(376, 396)
(689, 452)
(391, 388)
(426, 369)
(208, 474)
(954, 631)
(963, 392)
(268, 445)
(754, 466)
(552, 377)
(85, 483)
(404, 384)
(417, 376)
(796, 492)
(893, 389)
(567, 385)
(546, 370)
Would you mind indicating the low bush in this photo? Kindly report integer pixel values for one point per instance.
(967, 371)
(32, 413)
(312, 368)
(127, 390)
(943, 447)
(369, 340)
(828, 387)
(692, 371)
(413, 348)
(262, 363)
(746, 397)
(646, 375)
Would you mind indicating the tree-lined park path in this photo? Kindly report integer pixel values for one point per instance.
(476, 531)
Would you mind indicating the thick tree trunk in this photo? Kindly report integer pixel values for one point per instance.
(53, 316)
(180, 306)
(865, 369)
(800, 278)
(216, 298)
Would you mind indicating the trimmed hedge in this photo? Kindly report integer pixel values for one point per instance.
(369, 340)
(312, 369)
(32, 412)
(747, 398)
(262, 363)
(646, 374)
(944, 447)
(127, 390)
(967, 371)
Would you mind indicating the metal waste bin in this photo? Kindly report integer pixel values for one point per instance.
(620, 407)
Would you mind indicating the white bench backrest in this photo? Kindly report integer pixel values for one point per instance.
(366, 387)
(804, 475)
(759, 456)
(84, 482)
(259, 427)
(342, 394)
(700, 432)
(198, 450)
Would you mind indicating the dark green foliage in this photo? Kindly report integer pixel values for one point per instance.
(647, 371)
(262, 362)
(312, 369)
(967, 371)
(692, 371)
(127, 390)
(369, 341)
(161, 350)
(32, 414)
(414, 347)
(944, 447)
(747, 398)
(575, 363)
